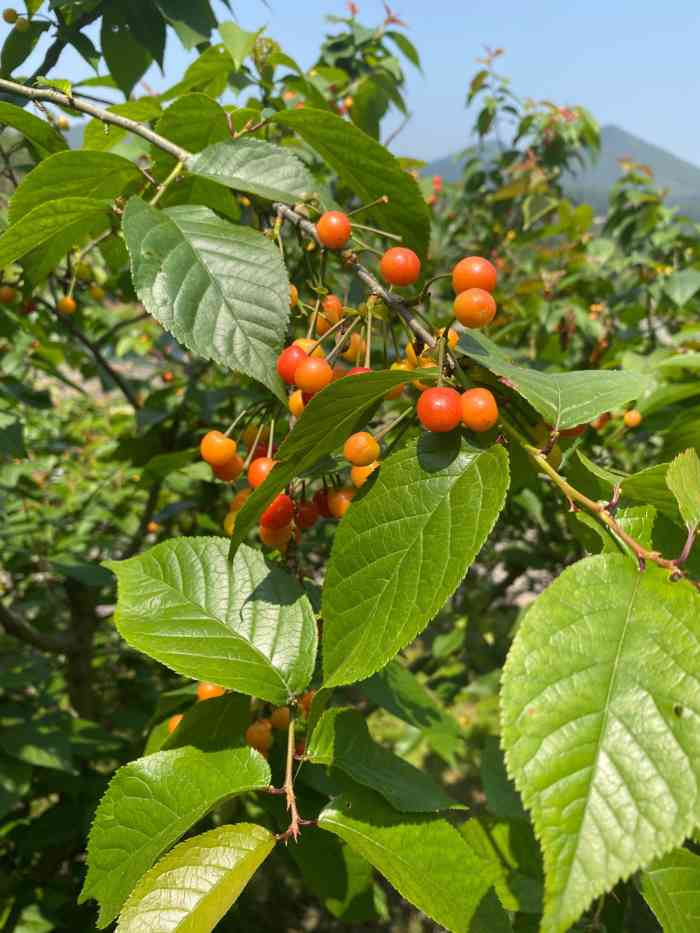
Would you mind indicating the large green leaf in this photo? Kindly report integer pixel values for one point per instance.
(248, 625)
(238, 42)
(564, 400)
(683, 479)
(18, 46)
(341, 739)
(424, 857)
(152, 801)
(671, 887)
(192, 888)
(404, 547)
(369, 170)
(255, 166)
(192, 20)
(649, 486)
(126, 59)
(43, 137)
(331, 416)
(400, 692)
(682, 285)
(51, 222)
(220, 289)
(76, 173)
(600, 697)
(194, 122)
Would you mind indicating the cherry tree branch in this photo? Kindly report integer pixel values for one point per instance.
(393, 301)
(83, 106)
(17, 626)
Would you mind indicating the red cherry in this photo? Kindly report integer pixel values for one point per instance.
(313, 374)
(334, 229)
(287, 362)
(356, 370)
(440, 409)
(399, 266)
(279, 512)
(320, 500)
(307, 515)
(259, 470)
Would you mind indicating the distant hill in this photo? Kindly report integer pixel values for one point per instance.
(593, 183)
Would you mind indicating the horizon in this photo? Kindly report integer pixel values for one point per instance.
(542, 63)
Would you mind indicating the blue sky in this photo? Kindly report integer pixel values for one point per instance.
(631, 62)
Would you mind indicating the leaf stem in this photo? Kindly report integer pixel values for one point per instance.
(288, 787)
(162, 188)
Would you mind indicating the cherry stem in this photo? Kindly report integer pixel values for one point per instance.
(313, 317)
(599, 509)
(687, 548)
(162, 188)
(368, 341)
(382, 233)
(330, 358)
(392, 424)
(331, 330)
(384, 199)
(271, 438)
(235, 421)
(248, 459)
(441, 357)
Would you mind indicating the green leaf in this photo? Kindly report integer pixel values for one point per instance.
(369, 104)
(406, 46)
(147, 27)
(398, 691)
(125, 57)
(564, 400)
(671, 887)
(649, 487)
(340, 878)
(404, 547)
(238, 42)
(502, 798)
(57, 221)
(681, 286)
(192, 888)
(11, 437)
(151, 802)
(194, 122)
(247, 626)
(43, 137)
(369, 170)
(254, 166)
(15, 781)
(76, 173)
(19, 46)
(599, 699)
(682, 361)
(328, 420)
(192, 20)
(221, 290)
(341, 740)
(38, 742)
(423, 857)
(683, 479)
(637, 521)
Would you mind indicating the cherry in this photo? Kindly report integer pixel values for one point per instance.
(339, 500)
(479, 410)
(279, 512)
(333, 229)
(632, 418)
(276, 537)
(331, 314)
(452, 337)
(599, 423)
(474, 272)
(287, 362)
(280, 718)
(474, 307)
(402, 365)
(66, 305)
(320, 500)
(21, 24)
(174, 722)
(296, 403)
(305, 701)
(97, 293)
(440, 409)
(306, 343)
(230, 523)
(360, 474)
(437, 183)
(168, 376)
(355, 348)
(293, 296)
(361, 449)
(358, 370)
(259, 470)
(306, 515)
(10, 16)
(207, 691)
(313, 374)
(259, 735)
(217, 449)
(7, 294)
(399, 266)
(231, 470)
(574, 432)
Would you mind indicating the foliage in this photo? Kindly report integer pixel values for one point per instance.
(471, 702)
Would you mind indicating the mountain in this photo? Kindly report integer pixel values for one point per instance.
(592, 183)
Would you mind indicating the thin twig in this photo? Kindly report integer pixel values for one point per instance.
(19, 628)
(295, 822)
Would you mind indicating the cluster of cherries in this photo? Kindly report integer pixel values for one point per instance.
(258, 735)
